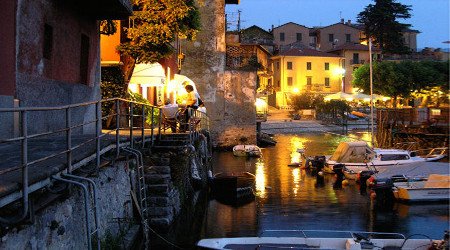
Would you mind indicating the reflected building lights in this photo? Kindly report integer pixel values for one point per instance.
(297, 143)
(296, 174)
(260, 183)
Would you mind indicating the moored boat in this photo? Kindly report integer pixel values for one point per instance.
(233, 184)
(299, 239)
(434, 188)
(358, 156)
(247, 150)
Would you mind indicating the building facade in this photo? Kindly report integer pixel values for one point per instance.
(336, 35)
(298, 71)
(290, 33)
(52, 57)
(355, 55)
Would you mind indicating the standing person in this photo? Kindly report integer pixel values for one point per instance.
(191, 101)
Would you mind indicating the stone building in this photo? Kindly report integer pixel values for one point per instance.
(50, 57)
(229, 95)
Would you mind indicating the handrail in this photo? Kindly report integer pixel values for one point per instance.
(69, 128)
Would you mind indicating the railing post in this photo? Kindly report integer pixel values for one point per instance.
(131, 125)
(117, 101)
(152, 126)
(25, 161)
(98, 130)
(143, 126)
(69, 140)
(159, 123)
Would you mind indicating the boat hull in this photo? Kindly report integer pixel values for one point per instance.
(233, 185)
(421, 194)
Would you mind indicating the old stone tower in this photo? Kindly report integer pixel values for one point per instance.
(229, 95)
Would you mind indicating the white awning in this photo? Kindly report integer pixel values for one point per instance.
(148, 75)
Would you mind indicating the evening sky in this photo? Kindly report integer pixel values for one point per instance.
(430, 17)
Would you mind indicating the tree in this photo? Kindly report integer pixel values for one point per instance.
(155, 26)
(380, 23)
(401, 79)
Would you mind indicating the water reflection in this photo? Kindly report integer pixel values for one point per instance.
(294, 198)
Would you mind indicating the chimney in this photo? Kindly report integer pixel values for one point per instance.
(342, 20)
(349, 22)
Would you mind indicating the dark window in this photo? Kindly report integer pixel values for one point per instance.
(278, 83)
(327, 66)
(289, 65)
(84, 59)
(327, 82)
(299, 37)
(394, 157)
(348, 38)
(278, 65)
(331, 37)
(48, 41)
(355, 58)
(308, 66)
(282, 36)
(289, 81)
(309, 80)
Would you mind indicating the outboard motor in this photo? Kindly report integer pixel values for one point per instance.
(384, 195)
(363, 177)
(319, 162)
(338, 169)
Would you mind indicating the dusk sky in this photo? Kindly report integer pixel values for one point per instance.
(430, 17)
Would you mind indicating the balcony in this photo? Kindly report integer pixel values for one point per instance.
(104, 9)
(353, 62)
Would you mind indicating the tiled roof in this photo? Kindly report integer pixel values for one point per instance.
(290, 23)
(305, 52)
(353, 46)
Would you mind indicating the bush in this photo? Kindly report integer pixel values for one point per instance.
(137, 109)
(333, 108)
(306, 101)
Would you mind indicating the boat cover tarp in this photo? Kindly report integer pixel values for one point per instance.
(438, 181)
(416, 169)
(353, 152)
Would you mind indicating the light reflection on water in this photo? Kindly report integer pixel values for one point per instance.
(292, 198)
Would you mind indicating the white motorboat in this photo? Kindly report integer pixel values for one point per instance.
(435, 188)
(358, 156)
(247, 150)
(342, 240)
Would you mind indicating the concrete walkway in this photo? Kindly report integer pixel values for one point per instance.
(280, 122)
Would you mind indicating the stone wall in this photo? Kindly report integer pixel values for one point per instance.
(62, 224)
(228, 96)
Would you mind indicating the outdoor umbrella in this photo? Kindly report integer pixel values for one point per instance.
(338, 96)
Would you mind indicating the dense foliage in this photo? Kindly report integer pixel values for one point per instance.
(156, 24)
(380, 23)
(306, 101)
(400, 79)
(333, 109)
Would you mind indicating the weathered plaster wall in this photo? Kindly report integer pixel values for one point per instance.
(61, 225)
(56, 80)
(229, 104)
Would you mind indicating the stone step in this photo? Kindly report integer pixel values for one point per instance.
(157, 178)
(157, 170)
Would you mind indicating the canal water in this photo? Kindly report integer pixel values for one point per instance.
(290, 198)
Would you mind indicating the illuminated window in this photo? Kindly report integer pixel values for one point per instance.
(435, 112)
(309, 80)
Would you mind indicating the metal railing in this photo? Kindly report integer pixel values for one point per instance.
(136, 125)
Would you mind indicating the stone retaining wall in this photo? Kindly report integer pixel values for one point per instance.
(62, 224)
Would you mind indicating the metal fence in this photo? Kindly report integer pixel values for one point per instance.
(134, 124)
